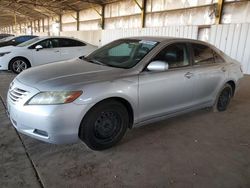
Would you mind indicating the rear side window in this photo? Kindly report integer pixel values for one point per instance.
(20, 39)
(23, 39)
(70, 43)
(175, 55)
(55, 43)
(202, 54)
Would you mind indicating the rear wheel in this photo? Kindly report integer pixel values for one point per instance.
(18, 65)
(104, 125)
(224, 98)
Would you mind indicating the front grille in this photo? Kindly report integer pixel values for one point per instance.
(16, 94)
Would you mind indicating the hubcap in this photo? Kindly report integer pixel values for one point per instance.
(224, 99)
(107, 125)
(19, 65)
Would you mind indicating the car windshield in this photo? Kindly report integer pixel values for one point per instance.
(28, 42)
(124, 53)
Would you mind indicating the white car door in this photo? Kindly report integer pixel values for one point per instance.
(162, 93)
(47, 54)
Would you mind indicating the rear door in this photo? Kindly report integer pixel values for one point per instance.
(170, 91)
(71, 48)
(209, 69)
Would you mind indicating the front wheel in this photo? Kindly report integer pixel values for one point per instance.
(18, 65)
(224, 98)
(104, 125)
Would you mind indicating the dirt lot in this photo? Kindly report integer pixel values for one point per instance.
(198, 150)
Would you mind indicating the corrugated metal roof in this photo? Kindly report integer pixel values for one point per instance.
(19, 11)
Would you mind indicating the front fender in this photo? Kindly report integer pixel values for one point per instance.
(126, 89)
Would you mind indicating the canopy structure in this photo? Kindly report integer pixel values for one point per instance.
(18, 11)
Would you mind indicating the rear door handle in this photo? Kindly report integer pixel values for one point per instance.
(189, 75)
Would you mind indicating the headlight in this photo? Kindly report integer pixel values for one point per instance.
(3, 53)
(54, 97)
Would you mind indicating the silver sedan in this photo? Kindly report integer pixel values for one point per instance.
(124, 84)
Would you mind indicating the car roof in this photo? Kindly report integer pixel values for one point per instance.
(165, 39)
(25, 36)
(62, 37)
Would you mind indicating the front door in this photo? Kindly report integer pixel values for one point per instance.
(161, 93)
(48, 54)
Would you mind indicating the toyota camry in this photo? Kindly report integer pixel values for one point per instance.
(124, 84)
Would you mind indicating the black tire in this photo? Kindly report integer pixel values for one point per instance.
(104, 125)
(17, 65)
(223, 98)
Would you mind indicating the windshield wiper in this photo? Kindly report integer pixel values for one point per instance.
(94, 61)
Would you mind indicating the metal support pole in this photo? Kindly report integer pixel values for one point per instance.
(31, 28)
(143, 11)
(103, 17)
(219, 11)
(77, 20)
(39, 25)
(43, 24)
(60, 23)
(48, 27)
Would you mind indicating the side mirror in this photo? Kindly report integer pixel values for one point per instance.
(38, 47)
(158, 66)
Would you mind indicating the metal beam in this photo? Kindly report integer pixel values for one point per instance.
(143, 11)
(101, 14)
(219, 11)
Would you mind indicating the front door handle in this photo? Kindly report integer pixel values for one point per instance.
(189, 75)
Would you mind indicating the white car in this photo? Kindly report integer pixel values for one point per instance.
(42, 50)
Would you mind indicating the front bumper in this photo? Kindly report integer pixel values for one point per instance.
(4, 63)
(58, 124)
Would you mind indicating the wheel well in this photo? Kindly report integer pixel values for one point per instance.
(19, 57)
(232, 84)
(125, 103)
(129, 109)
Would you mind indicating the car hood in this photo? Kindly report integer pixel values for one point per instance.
(7, 48)
(71, 74)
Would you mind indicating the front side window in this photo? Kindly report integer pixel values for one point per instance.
(45, 43)
(175, 55)
(124, 53)
(202, 54)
